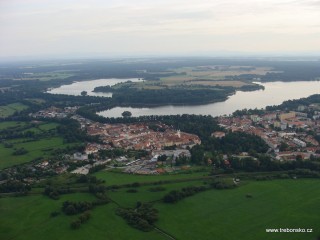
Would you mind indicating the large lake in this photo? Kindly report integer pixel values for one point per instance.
(273, 94)
(77, 87)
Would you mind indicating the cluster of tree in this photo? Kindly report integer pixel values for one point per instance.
(132, 190)
(70, 130)
(142, 217)
(72, 208)
(199, 125)
(305, 173)
(14, 186)
(222, 184)
(156, 127)
(150, 97)
(88, 179)
(237, 142)
(54, 192)
(104, 89)
(245, 163)
(157, 189)
(182, 160)
(99, 191)
(177, 195)
(293, 71)
(246, 111)
(294, 104)
(97, 168)
(232, 143)
(264, 162)
(83, 218)
(126, 114)
(111, 153)
(20, 151)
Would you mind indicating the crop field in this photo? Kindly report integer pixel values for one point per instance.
(45, 76)
(208, 75)
(10, 109)
(236, 84)
(213, 214)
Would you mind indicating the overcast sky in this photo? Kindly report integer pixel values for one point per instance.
(150, 27)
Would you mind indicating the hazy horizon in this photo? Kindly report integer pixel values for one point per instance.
(121, 28)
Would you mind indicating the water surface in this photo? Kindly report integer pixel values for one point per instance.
(273, 94)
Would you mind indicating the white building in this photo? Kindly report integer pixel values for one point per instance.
(299, 142)
(79, 156)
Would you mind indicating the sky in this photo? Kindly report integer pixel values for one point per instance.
(158, 27)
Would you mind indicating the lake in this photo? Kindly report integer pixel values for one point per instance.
(77, 87)
(273, 94)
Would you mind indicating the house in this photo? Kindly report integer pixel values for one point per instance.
(218, 134)
(80, 157)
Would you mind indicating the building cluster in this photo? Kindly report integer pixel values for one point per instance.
(54, 112)
(290, 135)
(140, 137)
(152, 165)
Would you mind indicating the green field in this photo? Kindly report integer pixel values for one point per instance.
(112, 178)
(10, 109)
(213, 214)
(47, 76)
(29, 218)
(48, 126)
(125, 199)
(228, 214)
(212, 75)
(41, 146)
(6, 125)
(35, 149)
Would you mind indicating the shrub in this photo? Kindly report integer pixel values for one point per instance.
(132, 191)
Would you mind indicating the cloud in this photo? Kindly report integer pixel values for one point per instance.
(42, 26)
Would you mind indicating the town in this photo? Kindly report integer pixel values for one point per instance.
(155, 139)
(290, 135)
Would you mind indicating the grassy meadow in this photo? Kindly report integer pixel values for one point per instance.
(229, 214)
(117, 178)
(213, 214)
(10, 109)
(39, 147)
